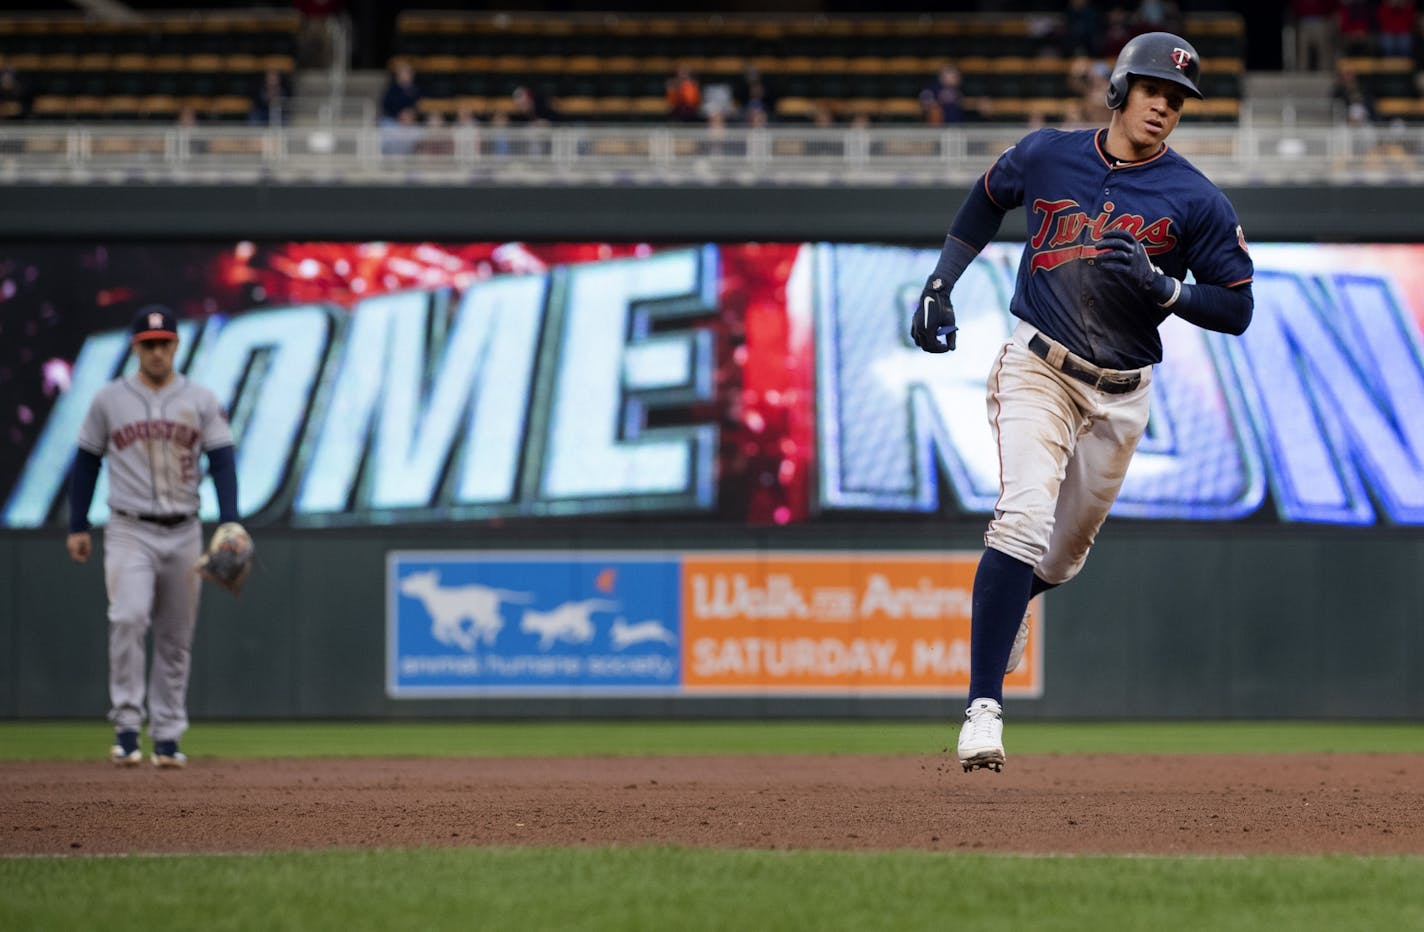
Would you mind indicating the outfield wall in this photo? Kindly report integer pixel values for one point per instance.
(1264, 562)
(1163, 624)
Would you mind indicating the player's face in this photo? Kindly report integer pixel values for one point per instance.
(1150, 114)
(155, 360)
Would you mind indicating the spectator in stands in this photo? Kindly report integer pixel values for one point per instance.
(1419, 51)
(1395, 19)
(684, 96)
(753, 87)
(531, 107)
(1355, 24)
(1083, 23)
(1088, 84)
(1314, 34)
(1157, 16)
(400, 136)
(1117, 32)
(324, 25)
(499, 142)
(943, 102)
(465, 115)
(271, 99)
(1073, 115)
(718, 141)
(1373, 145)
(188, 119)
(435, 138)
(1356, 104)
(1044, 33)
(402, 94)
(14, 96)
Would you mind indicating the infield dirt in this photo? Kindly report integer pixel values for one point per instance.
(1112, 804)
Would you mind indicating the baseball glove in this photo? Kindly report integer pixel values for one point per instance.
(228, 560)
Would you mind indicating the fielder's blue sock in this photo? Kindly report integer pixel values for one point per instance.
(128, 740)
(1040, 586)
(1001, 588)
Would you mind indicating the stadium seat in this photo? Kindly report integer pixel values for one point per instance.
(84, 69)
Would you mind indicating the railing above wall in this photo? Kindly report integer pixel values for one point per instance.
(640, 155)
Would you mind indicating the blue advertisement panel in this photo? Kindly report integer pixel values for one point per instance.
(570, 623)
(462, 624)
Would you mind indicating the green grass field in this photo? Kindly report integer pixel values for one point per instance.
(85, 740)
(684, 888)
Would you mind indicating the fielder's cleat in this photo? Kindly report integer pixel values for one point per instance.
(1020, 642)
(167, 756)
(125, 752)
(981, 737)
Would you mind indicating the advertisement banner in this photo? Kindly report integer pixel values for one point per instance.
(464, 624)
(779, 623)
(810, 623)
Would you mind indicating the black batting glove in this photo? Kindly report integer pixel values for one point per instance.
(1121, 253)
(933, 319)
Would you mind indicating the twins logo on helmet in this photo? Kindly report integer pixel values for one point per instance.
(1154, 55)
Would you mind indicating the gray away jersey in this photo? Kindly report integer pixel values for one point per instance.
(151, 440)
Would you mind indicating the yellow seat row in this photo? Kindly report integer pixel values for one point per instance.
(736, 65)
(211, 21)
(766, 26)
(27, 62)
(153, 106)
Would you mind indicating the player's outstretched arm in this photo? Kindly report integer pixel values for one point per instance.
(1216, 307)
(932, 325)
(83, 477)
(222, 466)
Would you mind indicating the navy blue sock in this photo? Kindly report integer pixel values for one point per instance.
(1001, 588)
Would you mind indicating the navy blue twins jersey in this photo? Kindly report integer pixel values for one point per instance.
(1073, 192)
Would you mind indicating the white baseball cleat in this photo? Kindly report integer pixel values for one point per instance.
(981, 737)
(125, 758)
(1020, 642)
(125, 752)
(166, 756)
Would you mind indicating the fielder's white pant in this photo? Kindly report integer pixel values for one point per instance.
(148, 570)
(1064, 448)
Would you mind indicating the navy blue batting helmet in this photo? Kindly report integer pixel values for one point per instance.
(1155, 55)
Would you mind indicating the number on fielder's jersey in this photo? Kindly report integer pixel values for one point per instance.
(151, 440)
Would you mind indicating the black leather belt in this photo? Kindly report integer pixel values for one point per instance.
(164, 520)
(1104, 380)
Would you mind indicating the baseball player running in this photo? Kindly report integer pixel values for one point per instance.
(1115, 220)
(151, 426)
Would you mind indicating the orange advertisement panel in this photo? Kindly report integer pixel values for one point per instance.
(836, 623)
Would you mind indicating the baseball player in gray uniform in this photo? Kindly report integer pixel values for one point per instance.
(151, 426)
(1116, 219)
